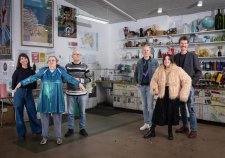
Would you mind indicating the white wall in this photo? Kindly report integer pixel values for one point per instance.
(61, 48)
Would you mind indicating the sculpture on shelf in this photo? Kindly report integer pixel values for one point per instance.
(141, 32)
(126, 31)
(148, 32)
(171, 31)
(219, 50)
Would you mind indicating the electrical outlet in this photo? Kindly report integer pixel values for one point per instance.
(4, 110)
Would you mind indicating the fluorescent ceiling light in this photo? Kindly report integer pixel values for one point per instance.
(199, 4)
(95, 19)
(159, 10)
(120, 10)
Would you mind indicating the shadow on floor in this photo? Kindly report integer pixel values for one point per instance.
(95, 124)
(104, 110)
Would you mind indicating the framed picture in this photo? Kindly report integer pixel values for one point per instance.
(5, 29)
(37, 23)
(67, 22)
(88, 41)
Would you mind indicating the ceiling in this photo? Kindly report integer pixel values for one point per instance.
(140, 9)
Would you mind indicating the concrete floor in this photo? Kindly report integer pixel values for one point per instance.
(126, 142)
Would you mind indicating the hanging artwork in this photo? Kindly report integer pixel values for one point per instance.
(5, 29)
(88, 41)
(67, 22)
(37, 23)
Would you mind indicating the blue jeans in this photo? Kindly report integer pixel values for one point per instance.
(57, 120)
(192, 112)
(81, 102)
(147, 103)
(23, 97)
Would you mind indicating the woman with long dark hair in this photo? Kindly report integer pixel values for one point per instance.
(23, 97)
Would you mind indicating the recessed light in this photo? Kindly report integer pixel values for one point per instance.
(199, 4)
(159, 10)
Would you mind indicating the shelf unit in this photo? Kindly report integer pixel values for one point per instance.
(211, 58)
(171, 36)
(175, 35)
(164, 47)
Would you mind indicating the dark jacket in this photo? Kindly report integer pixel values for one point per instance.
(138, 74)
(21, 74)
(191, 66)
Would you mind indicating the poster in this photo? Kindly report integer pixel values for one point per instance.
(67, 22)
(6, 71)
(5, 30)
(37, 23)
(42, 57)
(88, 41)
(35, 57)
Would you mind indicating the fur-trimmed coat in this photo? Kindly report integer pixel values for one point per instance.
(179, 83)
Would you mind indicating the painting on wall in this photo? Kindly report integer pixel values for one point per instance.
(88, 41)
(67, 22)
(5, 30)
(37, 23)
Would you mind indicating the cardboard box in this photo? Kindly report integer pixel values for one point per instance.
(8, 117)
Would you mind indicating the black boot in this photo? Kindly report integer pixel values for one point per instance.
(170, 133)
(150, 133)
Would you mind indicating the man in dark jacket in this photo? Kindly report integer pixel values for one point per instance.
(190, 63)
(146, 67)
(81, 72)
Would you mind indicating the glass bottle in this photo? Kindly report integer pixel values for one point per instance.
(219, 51)
(34, 67)
(207, 66)
(159, 53)
(218, 21)
(224, 19)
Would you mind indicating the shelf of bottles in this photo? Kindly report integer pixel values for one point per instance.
(213, 71)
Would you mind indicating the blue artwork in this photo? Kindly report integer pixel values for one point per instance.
(37, 23)
(5, 29)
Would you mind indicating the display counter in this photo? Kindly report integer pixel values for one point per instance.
(209, 101)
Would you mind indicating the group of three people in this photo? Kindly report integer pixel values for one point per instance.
(51, 99)
(173, 82)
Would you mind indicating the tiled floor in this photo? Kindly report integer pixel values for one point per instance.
(122, 141)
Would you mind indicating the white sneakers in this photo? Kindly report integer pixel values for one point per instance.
(144, 127)
(45, 140)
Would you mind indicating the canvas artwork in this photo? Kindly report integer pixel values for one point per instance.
(37, 23)
(67, 22)
(5, 29)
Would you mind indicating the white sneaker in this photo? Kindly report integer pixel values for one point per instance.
(144, 127)
(59, 141)
(43, 141)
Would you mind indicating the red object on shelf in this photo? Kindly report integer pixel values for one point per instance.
(163, 55)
